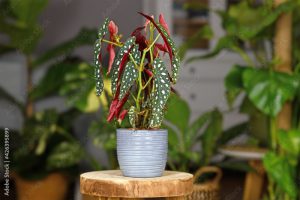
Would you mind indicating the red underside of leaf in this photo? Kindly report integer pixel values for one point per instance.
(122, 65)
(113, 106)
(112, 54)
(122, 115)
(140, 38)
(162, 47)
(116, 106)
(162, 35)
(148, 72)
(120, 105)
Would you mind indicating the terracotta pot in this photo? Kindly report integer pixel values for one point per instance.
(52, 187)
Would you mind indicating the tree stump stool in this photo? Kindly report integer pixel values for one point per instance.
(112, 185)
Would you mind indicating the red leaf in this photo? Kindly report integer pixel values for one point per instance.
(121, 104)
(122, 65)
(163, 23)
(148, 72)
(112, 55)
(112, 28)
(113, 106)
(140, 37)
(162, 35)
(112, 109)
(122, 115)
(117, 105)
(148, 21)
(161, 47)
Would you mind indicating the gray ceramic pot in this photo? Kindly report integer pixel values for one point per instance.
(142, 153)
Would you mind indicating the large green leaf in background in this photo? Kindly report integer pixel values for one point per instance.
(246, 22)
(178, 113)
(84, 37)
(290, 142)
(23, 30)
(79, 89)
(53, 80)
(72, 80)
(193, 132)
(280, 171)
(28, 11)
(65, 154)
(211, 135)
(234, 83)
(269, 90)
(24, 38)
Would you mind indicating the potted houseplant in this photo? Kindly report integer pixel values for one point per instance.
(45, 152)
(140, 85)
(267, 91)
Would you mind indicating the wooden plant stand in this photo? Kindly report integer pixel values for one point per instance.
(111, 185)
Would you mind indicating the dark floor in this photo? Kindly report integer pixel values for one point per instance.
(232, 185)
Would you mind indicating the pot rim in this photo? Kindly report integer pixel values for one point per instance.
(142, 130)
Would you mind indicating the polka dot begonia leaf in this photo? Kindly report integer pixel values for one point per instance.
(175, 59)
(116, 68)
(172, 50)
(97, 49)
(97, 63)
(132, 116)
(160, 95)
(175, 68)
(103, 30)
(128, 78)
(136, 54)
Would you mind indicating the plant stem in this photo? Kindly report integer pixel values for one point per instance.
(113, 43)
(151, 39)
(140, 73)
(148, 48)
(131, 58)
(147, 82)
(273, 133)
(245, 56)
(271, 190)
(29, 103)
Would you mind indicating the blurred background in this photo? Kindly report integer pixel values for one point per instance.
(57, 125)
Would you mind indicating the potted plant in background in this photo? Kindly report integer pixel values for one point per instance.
(194, 145)
(46, 153)
(140, 85)
(250, 29)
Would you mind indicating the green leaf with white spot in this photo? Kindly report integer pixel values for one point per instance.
(103, 30)
(98, 66)
(130, 72)
(128, 78)
(172, 50)
(132, 116)
(175, 68)
(136, 54)
(119, 62)
(175, 58)
(160, 94)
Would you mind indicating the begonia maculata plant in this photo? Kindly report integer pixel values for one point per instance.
(141, 81)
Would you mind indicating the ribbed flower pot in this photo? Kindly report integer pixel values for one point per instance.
(142, 153)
